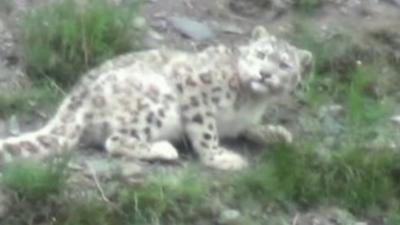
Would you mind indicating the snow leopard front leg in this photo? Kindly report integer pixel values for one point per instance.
(200, 126)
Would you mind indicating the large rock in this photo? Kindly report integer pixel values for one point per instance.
(7, 45)
(12, 78)
(327, 216)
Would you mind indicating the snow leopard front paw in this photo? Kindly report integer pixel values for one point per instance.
(279, 134)
(162, 150)
(225, 160)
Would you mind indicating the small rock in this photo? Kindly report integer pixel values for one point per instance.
(229, 216)
(328, 216)
(395, 2)
(12, 78)
(131, 169)
(191, 28)
(227, 27)
(7, 45)
(153, 39)
(155, 35)
(14, 126)
(396, 119)
(361, 223)
(139, 22)
(333, 109)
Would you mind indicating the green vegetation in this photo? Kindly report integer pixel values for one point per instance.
(62, 40)
(297, 174)
(33, 181)
(31, 98)
(172, 200)
(85, 211)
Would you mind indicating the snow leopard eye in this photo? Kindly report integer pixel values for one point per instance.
(261, 55)
(283, 65)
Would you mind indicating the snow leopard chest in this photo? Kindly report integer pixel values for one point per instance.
(233, 121)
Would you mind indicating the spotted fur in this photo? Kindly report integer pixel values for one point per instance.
(138, 103)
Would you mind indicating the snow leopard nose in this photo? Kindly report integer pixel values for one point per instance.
(265, 74)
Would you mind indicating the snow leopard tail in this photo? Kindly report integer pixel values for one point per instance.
(61, 133)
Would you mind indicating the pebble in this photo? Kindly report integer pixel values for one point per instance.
(7, 46)
(227, 27)
(229, 216)
(396, 119)
(139, 22)
(191, 28)
(396, 2)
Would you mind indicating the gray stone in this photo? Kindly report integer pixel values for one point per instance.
(227, 27)
(139, 22)
(14, 128)
(153, 39)
(11, 78)
(191, 28)
(396, 120)
(129, 169)
(7, 45)
(396, 2)
(328, 216)
(229, 216)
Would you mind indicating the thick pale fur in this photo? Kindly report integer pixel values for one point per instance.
(136, 104)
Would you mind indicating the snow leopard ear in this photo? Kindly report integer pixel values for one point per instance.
(306, 62)
(258, 32)
(306, 57)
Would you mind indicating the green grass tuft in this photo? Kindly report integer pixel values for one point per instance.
(86, 212)
(168, 198)
(29, 99)
(363, 108)
(394, 218)
(353, 178)
(33, 181)
(63, 39)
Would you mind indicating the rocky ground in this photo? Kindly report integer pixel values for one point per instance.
(194, 24)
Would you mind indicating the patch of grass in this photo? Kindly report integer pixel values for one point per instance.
(63, 39)
(394, 218)
(389, 41)
(33, 181)
(329, 70)
(170, 199)
(33, 190)
(86, 212)
(339, 68)
(354, 174)
(280, 178)
(353, 178)
(29, 99)
(337, 52)
(363, 108)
